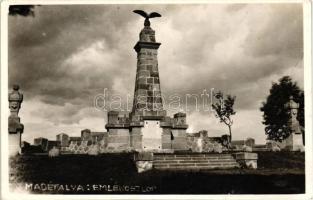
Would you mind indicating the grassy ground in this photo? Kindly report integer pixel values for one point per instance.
(278, 173)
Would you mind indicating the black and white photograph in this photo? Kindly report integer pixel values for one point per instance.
(200, 98)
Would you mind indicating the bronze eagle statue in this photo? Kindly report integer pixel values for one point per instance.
(147, 16)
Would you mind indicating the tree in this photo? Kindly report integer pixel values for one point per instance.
(22, 10)
(275, 114)
(224, 109)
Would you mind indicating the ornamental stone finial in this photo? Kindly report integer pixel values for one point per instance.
(15, 127)
(293, 109)
(15, 101)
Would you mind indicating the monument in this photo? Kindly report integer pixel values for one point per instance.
(147, 127)
(16, 128)
(294, 142)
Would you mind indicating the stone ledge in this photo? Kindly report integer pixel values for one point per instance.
(117, 125)
(194, 166)
(143, 156)
(182, 126)
(152, 117)
(166, 124)
(294, 148)
(136, 124)
(245, 156)
(147, 45)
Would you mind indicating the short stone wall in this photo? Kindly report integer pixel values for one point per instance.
(179, 141)
(14, 144)
(94, 149)
(118, 139)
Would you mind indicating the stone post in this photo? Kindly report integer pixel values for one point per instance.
(15, 127)
(294, 140)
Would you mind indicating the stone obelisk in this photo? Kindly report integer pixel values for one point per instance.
(16, 128)
(147, 96)
(147, 127)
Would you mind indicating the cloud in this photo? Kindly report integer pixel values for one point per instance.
(46, 120)
(41, 47)
(68, 54)
(283, 35)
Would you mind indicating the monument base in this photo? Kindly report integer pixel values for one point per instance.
(14, 144)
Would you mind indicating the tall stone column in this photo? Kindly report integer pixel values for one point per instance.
(147, 97)
(295, 141)
(16, 128)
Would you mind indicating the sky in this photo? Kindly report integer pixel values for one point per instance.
(67, 55)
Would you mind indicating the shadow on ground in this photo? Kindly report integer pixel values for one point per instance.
(278, 173)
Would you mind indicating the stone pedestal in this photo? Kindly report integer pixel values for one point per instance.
(14, 144)
(136, 138)
(118, 139)
(294, 142)
(166, 139)
(179, 141)
(15, 134)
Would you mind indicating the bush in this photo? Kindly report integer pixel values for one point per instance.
(275, 148)
(247, 148)
(217, 148)
(54, 152)
(94, 150)
(143, 166)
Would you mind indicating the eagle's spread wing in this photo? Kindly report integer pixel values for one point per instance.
(154, 14)
(141, 12)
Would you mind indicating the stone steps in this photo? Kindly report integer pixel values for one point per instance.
(209, 155)
(193, 168)
(193, 161)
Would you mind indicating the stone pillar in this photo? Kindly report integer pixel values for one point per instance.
(136, 138)
(147, 106)
(147, 96)
(179, 135)
(167, 138)
(15, 127)
(118, 127)
(86, 135)
(64, 140)
(295, 141)
(151, 129)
